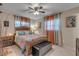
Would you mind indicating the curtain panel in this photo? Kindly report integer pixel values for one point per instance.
(53, 29)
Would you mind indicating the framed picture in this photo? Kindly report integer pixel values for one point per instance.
(39, 25)
(71, 21)
(6, 23)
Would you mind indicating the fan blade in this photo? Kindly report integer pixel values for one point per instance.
(40, 7)
(0, 4)
(30, 11)
(42, 11)
(31, 8)
(26, 10)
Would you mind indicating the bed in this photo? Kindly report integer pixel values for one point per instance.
(26, 41)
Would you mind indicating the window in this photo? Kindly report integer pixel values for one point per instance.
(17, 24)
(21, 23)
(49, 25)
(24, 23)
(56, 24)
(52, 24)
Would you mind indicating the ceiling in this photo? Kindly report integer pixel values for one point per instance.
(49, 8)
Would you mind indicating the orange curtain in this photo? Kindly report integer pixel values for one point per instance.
(54, 32)
(50, 33)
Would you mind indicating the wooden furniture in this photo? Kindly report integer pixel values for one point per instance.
(24, 23)
(28, 49)
(77, 47)
(29, 45)
(6, 41)
(22, 28)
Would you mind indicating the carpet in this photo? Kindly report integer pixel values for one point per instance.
(12, 51)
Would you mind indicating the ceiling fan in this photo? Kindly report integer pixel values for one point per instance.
(35, 9)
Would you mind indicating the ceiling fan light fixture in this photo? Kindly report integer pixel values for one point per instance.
(36, 13)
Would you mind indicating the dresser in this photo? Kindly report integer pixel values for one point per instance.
(6, 41)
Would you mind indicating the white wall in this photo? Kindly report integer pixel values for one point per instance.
(11, 28)
(10, 18)
(39, 20)
(69, 35)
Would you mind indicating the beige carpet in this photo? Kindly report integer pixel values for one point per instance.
(12, 51)
(56, 51)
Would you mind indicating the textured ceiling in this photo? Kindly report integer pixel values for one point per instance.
(49, 8)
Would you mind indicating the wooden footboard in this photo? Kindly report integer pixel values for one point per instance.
(29, 45)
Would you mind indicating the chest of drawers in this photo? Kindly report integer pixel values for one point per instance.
(6, 41)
